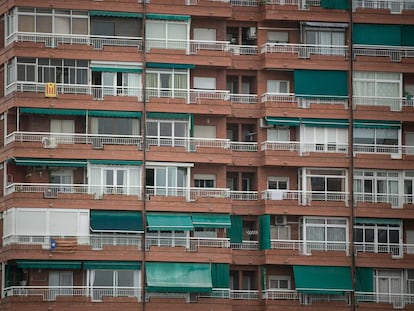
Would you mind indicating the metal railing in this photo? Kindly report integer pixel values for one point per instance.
(54, 40)
(96, 140)
(243, 146)
(396, 6)
(280, 294)
(273, 194)
(190, 193)
(243, 195)
(395, 103)
(50, 293)
(305, 100)
(245, 245)
(53, 190)
(280, 146)
(305, 50)
(306, 247)
(396, 200)
(189, 143)
(395, 249)
(243, 98)
(244, 294)
(398, 300)
(394, 53)
(244, 49)
(191, 243)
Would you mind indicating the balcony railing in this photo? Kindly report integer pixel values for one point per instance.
(96, 140)
(398, 300)
(54, 40)
(305, 101)
(395, 249)
(396, 6)
(189, 143)
(396, 200)
(244, 294)
(244, 49)
(395, 103)
(190, 243)
(53, 190)
(394, 53)
(190, 193)
(50, 293)
(306, 247)
(305, 50)
(243, 195)
(280, 294)
(396, 151)
(305, 197)
(243, 98)
(303, 148)
(243, 146)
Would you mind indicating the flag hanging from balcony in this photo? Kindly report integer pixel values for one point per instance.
(50, 90)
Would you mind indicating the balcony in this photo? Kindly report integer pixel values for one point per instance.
(216, 293)
(250, 99)
(395, 6)
(394, 103)
(54, 40)
(394, 53)
(192, 47)
(305, 101)
(189, 143)
(52, 293)
(303, 299)
(305, 50)
(303, 148)
(395, 151)
(306, 247)
(305, 197)
(397, 300)
(52, 140)
(192, 244)
(395, 200)
(394, 249)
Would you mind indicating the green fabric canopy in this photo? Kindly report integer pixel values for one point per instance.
(322, 279)
(220, 275)
(377, 221)
(54, 111)
(320, 83)
(211, 220)
(331, 123)
(178, 277)
(407, 35)
(116, 69)
(335, 4)
(169, 222)
(286, 121)
(48, 264)
(116, 162)
(264, 231)
(168, 17)
(114, 114)
(115, 14)
(50, 162)
(364, 279)
(112, 265)
(112, 221)
(170, 65)
(167, 115)
(376, 34)
(377, 124)
(235, 232)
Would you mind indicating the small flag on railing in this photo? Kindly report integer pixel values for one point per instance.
(53, 244)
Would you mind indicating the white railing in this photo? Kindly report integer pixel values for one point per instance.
(304, 100)
(277, 97)
(190, 143)
(245, 245)
(281, 146)
(97, 140)
(53, 190)
(394, 53)
(273, 194)
(244, 294)
(398, 300)
(396, 250)
(283, 2)
(339, 148)
(50, 293)
(190, 193)
(244, 2)
(395, 103)
(396, 200)
(396, 6)
(190, 46)
(243, 146)
(200, 96)
(325, 246)
(97, 91)
(243, 195)
(217, 293)
(191, 243)
(244, 49)
(309, 196)
(54, 40)
(99, 241)
(204, 45)
(305, 50)
(243, 98)
(280, 294)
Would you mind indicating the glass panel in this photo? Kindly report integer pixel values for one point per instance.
(44, 24)
(26, 23)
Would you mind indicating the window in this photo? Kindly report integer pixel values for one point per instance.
(61, 283)
(205, 83)
(375, 238)
(168, 238)
(114, 179)
(280, 232)
(322, 139)
(114, 126)
(389, 286)
(166, 34)
(278, 183)
(377, 187)
(115, 26)
(277, 37)
(280, 282)
(116, 83)
(408, 187)
(167, 181)
(325, 234)
(325, 184)
(278, 86)
(114, 283)
(204, 181)
(377, 88)
(326, 39)
(63, 176)
(205, 233)
(372, 138)
(205, 34)
(167, 132)
(168, 83)
(278, 133)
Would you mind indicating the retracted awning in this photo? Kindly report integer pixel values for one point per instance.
(115, 221)
(168, 17)
(49, 264)
(112, 265)
(116, 69)
(169, 222)
(282, 121)
(114, 114)
(377, 221)
(377, 124)
(115, 162)
(167, 115)
(331, 280)
(170, 65)
(333, 123)
(54, 111)
(178, 277)
(211, 220)
(115, 14)
(50, 162)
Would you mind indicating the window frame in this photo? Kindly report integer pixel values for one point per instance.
(277, 279)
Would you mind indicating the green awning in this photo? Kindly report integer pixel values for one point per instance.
(170, 66)
(264, 232)
(332, 123)
(114, 114)
(377, 221)
(49, 162)
(376, 34)
(113, 221)
(320, 83)
(377, 124)
(49, 264)
(335, 4)
(286, 121)
(112, 265)
(211, 220)
(169, 17)
(364, 279)
(115, 14)
(407, 35)
(220, 275)
(115, 162)
(116, 69)
(178, 277)
(169, 222)
(322, 279)
(235, 232)
(167, 115)
(54, 111)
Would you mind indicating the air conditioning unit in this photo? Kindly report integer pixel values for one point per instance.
(49, 142)
(280, 220)
(252, 33)
(50, 193)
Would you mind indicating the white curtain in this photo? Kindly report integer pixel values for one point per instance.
(95, 180)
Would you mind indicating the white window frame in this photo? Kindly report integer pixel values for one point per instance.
(277, 180)
(172, 90)
(165, 41)
(329, 48)
(204, 178)
(280, 132)
(204, 83)
(389, 275)
(170, 140)
(277, 279)
(324, 244)
(373, 147)
(277, 84)
(276, 231)
(277, 36)
(171, 238)
(323, 139)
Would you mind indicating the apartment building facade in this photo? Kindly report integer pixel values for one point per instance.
(207, 155)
